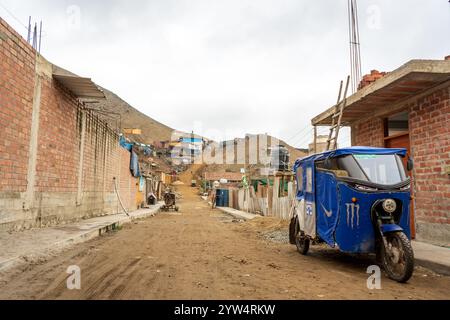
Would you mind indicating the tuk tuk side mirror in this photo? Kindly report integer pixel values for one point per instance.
(410, 164)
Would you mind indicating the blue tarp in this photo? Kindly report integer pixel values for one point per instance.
(134, 165)
(125, 144)
(141, 184)
(191, 140)
(148, 151)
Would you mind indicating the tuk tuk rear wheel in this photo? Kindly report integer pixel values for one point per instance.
(398, 257)
(302, 243)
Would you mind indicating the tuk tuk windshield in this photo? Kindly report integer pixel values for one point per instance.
(378, 169)
(382, 169)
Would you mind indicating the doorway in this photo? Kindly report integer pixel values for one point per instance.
(396, 135)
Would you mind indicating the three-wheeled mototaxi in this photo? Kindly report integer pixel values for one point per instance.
(357, 200)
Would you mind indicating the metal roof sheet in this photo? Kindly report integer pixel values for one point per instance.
(80, 87)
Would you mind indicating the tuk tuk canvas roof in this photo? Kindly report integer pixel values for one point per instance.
(349, 151)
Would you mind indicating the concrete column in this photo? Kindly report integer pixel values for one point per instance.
(33, 147)
(81, 159)
(118, 178)
(105, 166)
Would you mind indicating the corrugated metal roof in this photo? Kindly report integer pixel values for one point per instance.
(80, 87)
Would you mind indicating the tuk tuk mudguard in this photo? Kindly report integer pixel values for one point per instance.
(389, 228)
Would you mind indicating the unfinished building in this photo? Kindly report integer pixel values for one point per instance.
(59, 161)
(409, 108)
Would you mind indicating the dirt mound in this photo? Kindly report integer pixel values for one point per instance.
(267, 224)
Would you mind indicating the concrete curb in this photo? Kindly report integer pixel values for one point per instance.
(433, 266)
(432, 257)
(238, 214)
(93, 230)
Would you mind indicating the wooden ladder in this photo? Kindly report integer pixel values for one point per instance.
(336, 122)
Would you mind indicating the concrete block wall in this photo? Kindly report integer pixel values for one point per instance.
(57, 159)
(429, 123)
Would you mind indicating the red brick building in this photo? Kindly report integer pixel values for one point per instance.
(410, 108)
(58, 160)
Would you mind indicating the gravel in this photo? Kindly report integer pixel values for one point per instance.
(278, 236)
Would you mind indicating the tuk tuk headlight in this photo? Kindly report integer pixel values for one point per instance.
(389, 205)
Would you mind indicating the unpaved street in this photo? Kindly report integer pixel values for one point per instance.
(201, 253)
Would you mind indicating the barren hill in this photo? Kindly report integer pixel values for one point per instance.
(119, 113)
(152, 130)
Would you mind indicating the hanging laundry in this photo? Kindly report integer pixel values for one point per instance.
(134, 165)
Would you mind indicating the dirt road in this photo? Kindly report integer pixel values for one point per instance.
(202, 254)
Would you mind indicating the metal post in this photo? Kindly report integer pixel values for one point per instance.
(315, 139)
(29, 30)
(40, 38)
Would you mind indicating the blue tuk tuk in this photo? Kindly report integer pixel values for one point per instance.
(357, 200)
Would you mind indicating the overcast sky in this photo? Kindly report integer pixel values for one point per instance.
(235, 66)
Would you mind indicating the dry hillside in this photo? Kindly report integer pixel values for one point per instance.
(152, 130)
(119, 113)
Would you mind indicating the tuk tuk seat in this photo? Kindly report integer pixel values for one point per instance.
(337, 172)
(341, 173)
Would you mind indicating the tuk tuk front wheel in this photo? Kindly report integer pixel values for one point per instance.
(397, 257)
(301, 242)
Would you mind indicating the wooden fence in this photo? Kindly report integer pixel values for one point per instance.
(267, 201)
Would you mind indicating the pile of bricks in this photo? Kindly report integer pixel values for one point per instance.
(371, 78)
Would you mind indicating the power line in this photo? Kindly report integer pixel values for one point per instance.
(36, 40)
(298, 133)
(305, 138)
(13, 16)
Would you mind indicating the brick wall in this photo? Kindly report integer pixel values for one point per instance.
(429, 122)
(16, 89)
(57, 194)
(370, 78)
(369, 132)
(430, 141)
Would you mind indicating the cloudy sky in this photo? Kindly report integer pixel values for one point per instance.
(231, 66)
